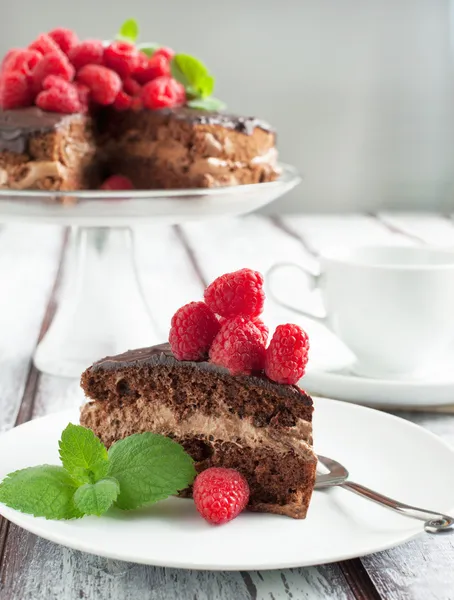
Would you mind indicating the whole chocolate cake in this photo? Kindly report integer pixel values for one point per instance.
(249, 423)
(74, 113)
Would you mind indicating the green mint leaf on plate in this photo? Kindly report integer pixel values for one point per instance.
(129, 31)
(193, 74)
(97, 498)
(82, 454)
(149, 49)
(209, 103)
(45, 491)
(149, 467)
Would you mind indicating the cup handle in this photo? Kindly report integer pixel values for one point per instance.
(314, 280)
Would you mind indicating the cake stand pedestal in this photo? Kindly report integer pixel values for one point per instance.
(101, 307)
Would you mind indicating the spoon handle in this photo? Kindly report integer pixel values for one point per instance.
(434, 522)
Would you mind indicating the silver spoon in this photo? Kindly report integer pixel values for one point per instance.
(338, 475)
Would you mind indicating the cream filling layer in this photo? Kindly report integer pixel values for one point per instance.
(28, 174)
(224, 426)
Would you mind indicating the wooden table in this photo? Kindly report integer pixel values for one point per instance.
(175, 263)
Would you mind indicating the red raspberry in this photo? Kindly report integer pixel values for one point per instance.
(166, 52)
(117, 182)
(239, 347)
(257, 322)
(44, 44)
(52, 64)
(21, 60)
(61, 99)
(155, 67)
(104, 83)
(15, 90)
(237, 293)
(84, 94)
(131, 87)
(162, 92)
(220, 494)
(123, 101)
(287, 354)
(121, 57)
(193, 328)
(65, 38)
(89, 52)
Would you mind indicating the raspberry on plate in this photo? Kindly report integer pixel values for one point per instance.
(61, 99)
(104, 83)
(156, 66)
(287, 354)
(193, 328)
(52, 64)
(220, 494)
(237, 293)
(90, 52)
(15, 90)
(45, 44)
(65, 38)
(117, 182)
(121, 57)
(239, 347)
(162, 92)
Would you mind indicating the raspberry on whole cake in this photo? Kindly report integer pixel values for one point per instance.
(222, 407)
(73, 113)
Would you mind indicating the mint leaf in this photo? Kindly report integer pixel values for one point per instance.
(149, 49)
(149, 467)
(96, 498)
(209, 103)
(45, 491)
(129, 31)
(193, 74)
(82, 454)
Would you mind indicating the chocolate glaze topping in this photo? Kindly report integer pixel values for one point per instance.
(16, 126)
(162, 355)
(205, 117)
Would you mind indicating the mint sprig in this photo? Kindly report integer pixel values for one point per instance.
(129, 31)
(197, 81)
(207, 104)
(138, 470)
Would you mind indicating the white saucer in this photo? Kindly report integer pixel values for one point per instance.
(381, 451)
(330, 374)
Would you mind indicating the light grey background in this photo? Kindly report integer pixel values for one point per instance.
(360, 91)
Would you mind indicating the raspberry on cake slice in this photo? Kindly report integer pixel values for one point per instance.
(217, 390)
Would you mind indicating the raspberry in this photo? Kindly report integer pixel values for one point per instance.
(104, 83)
(65, 38)
(89, 52)
(63, 98)
(287, 354)
(117, 182)
(257, 322)
(237, 293)
(123, 101)
(121, 57)
(167, 53)
(162, 92)
(84, 94)
(239, 347)
(220, 494)
(15, 90)
(44, 44)
(193, 328)
(131, 87)
(21, 60)
(52, 64)
(155, 67)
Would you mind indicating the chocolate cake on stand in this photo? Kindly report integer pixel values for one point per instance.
(101, 137)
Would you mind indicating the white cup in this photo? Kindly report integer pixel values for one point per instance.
(392, 306)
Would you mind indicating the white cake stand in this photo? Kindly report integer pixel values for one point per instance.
(101, 308)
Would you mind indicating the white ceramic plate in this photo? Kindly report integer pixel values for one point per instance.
(381, 451)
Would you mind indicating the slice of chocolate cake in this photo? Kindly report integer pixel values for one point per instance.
(247, 422)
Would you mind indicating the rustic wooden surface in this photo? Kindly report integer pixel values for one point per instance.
(174, 264)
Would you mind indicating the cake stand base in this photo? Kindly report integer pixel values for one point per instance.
(101, 306)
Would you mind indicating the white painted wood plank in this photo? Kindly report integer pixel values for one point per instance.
(429, 228)
(28, 262)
